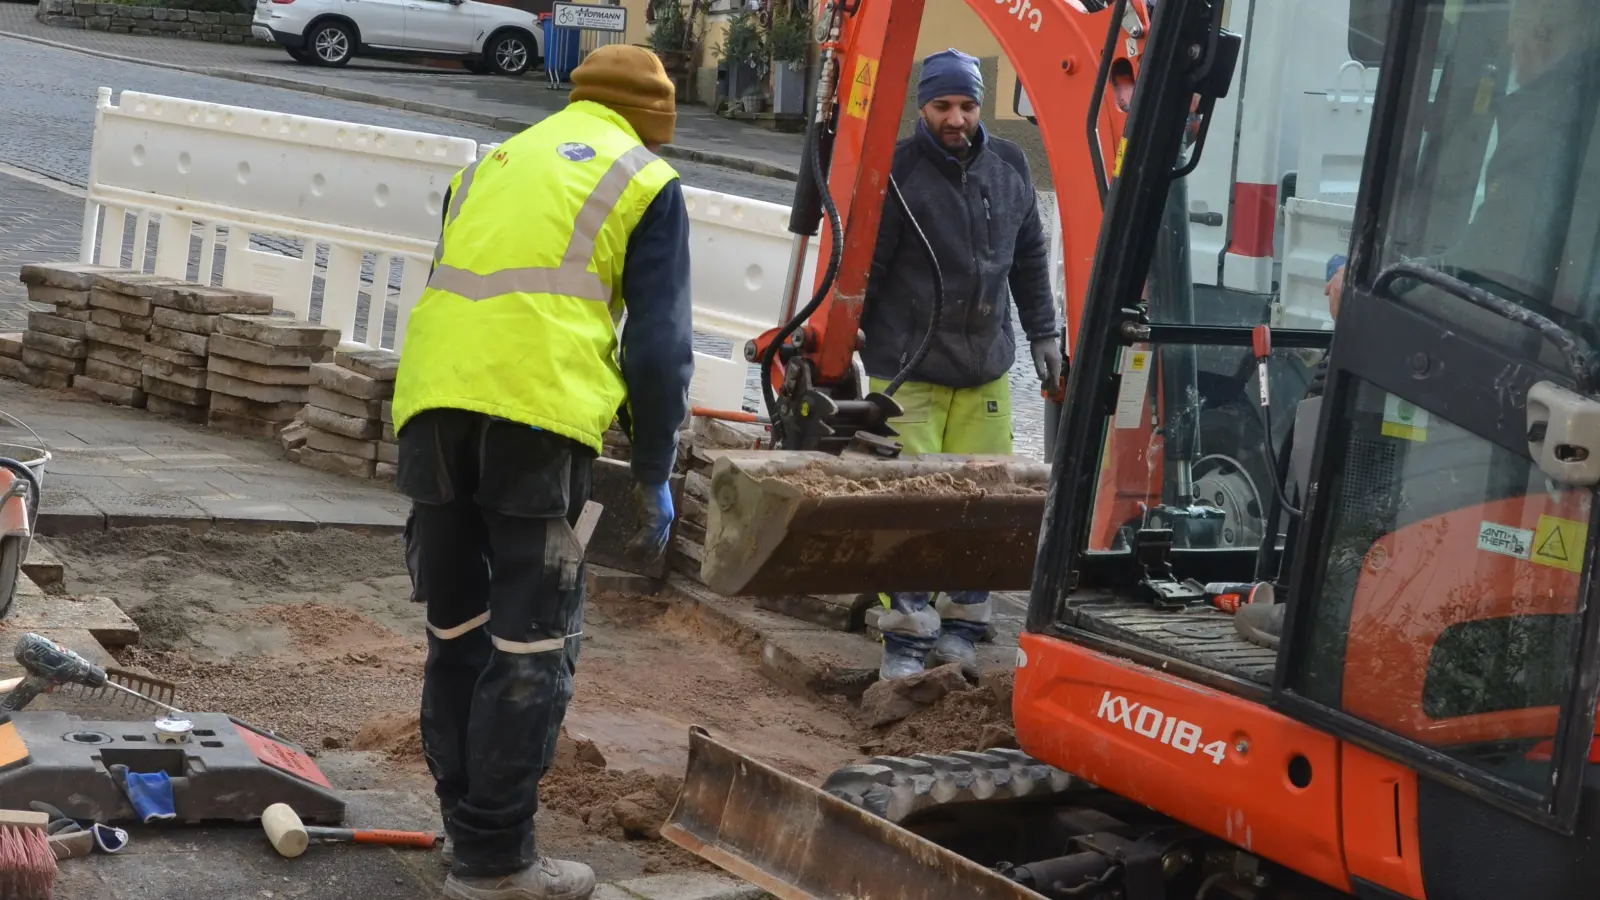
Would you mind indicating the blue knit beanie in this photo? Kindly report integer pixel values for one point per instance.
(949, 73)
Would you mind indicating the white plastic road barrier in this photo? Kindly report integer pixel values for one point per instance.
(309, 210)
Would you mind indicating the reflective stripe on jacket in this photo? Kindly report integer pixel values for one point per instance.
(519, 316)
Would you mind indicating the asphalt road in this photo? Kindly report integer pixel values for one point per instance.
(47, 115)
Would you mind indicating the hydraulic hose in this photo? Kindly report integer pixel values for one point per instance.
(938, 294)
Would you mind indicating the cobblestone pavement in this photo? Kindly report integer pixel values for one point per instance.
(120, 466)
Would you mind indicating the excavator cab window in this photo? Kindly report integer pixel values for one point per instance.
(1442, 611)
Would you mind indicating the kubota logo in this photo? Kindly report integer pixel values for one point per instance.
(1152, 723)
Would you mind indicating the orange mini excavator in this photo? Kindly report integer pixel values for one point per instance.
(1419, 721)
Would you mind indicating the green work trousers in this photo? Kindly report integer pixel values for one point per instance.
(966, 421)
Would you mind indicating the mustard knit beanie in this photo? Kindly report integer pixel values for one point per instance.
(631, 81)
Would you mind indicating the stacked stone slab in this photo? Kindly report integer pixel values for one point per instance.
(120, 318)
(11, 364)
(345, 415)
(388, 447)
(54, 347)
(696, 456)
(174, 362)
(258, 370)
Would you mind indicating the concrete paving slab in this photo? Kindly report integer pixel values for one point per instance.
(34, 610)
(690, 887)
(41, 566)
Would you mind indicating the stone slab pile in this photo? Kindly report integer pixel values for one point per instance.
(121, 314)
(344, 415)
(388, 446)
(175, 377)
(54, 348)
(11, 364)
(258, 371)
(686, 550)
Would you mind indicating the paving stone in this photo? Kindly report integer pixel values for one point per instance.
(243, 406)
(71, 348)
(336, 463)
(343, 404)
(111, 353)
(203, 300)
(176, 392)
(249, 371)
(276, 331)
(48, 324)
(388, 433)
(336, 378)
(109, 335)
(102, 298)
(250, 390)
(385, 471)
(130, 284)
(34, 610)
(338, 423)
(245, 425)
(42, 566)
(41, 378)
(188, 376)
(690, 886)
(122, 395)
(66, 275)
(113, 319)
(115, 374)
(173, 357)
(14, 369)
(265, 354)
(173, 409)
(11, 346)
(178, 320)
(179, 340)
(40, 359)
(59, 297)
(388, 452)
(75, 315)
(381, 365)
(387, 414)
(337, 443)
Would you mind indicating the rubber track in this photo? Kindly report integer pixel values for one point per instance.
(897, 787)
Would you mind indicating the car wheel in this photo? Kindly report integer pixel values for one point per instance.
(511, 54)
(332, 44)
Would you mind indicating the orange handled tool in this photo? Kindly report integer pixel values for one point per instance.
(290, 837)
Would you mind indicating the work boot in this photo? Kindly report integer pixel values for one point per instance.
(547, 879)
(899, 661)
(955, 648)
(1260, 623)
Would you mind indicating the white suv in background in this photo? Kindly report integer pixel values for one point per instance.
(485, 37)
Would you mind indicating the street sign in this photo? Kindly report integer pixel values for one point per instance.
(590, 18)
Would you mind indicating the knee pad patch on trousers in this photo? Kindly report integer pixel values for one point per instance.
(924, 623)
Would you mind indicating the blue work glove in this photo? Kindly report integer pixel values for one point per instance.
(150, 794)
(655, 522)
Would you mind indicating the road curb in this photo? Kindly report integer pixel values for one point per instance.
(732, 161)
(63, 524)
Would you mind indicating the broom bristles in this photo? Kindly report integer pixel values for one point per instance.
(27, 864)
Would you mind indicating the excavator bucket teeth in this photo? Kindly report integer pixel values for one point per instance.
(797, 843)
(793, 522)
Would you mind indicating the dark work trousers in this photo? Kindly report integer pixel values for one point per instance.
(491, 551)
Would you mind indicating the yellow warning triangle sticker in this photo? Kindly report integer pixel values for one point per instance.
(1559, 543)
(1554, 547)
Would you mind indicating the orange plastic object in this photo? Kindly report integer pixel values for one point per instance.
(1380, 822)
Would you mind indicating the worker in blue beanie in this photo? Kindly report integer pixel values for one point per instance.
(974, 199)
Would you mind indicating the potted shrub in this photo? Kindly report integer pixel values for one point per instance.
(745, 51)
(790, 37)
(670, 37)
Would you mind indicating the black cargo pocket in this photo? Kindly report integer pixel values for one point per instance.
(420, 472)
(524, 471)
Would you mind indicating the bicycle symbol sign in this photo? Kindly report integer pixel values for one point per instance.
(590, 18)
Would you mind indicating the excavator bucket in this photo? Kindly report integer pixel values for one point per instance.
(798, 843)
(793, 522)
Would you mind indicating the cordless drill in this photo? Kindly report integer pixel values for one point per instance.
(47, 665)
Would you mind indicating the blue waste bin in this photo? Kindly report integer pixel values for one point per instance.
(561, 46)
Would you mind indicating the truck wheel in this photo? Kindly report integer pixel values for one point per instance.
(510, 54)
(332, 44)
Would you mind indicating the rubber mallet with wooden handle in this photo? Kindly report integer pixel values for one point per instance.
(290, 837)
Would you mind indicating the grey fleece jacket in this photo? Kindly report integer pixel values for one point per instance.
(982, 218)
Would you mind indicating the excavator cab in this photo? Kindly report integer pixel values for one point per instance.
(1421, 725)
